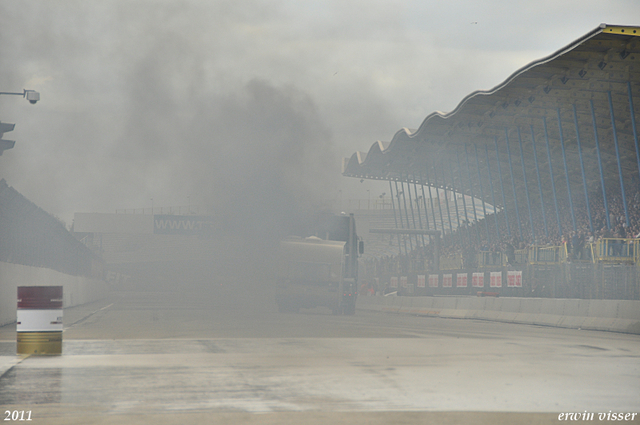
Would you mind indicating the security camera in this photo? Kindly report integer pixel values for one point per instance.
(32, 96)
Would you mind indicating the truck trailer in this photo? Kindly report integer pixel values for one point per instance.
(322, 269)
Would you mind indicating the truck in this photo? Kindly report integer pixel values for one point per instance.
(320, 269)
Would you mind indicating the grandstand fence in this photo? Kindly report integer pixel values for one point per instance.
(606, 269)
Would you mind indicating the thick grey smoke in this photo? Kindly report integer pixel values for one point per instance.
(145, 107)
(188, 101)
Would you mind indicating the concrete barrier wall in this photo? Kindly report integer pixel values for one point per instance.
(77, 289)
(604, 315)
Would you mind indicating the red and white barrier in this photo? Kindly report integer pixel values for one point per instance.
(39, 320)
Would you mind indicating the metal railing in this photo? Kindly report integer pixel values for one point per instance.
(545, 254)
(490, 258)
(612, 251)
(616, 250)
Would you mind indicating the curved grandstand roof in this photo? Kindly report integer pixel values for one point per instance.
(554, 99)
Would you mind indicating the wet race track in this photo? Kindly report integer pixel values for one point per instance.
(168, 357)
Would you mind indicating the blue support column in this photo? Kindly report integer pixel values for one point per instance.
(493, 197)
(404, 202)
(413, 217)
(513, 182)
(395, 217)
(473, 196)
(455, 196)
(464, 202)
(424, 201)
(633, 124)
(433, 210)
(415, 188)
(399, 208)
(504, 199)
(435, 177)
(566, 172)
(604, 190)
(535, 158)
(526, 187)
(404, 240)
(446, 197)
(615, 140)
(584, 178)
(435, 184)
(484, 206)
(553, 182)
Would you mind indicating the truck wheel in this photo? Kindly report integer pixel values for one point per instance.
(350, 309)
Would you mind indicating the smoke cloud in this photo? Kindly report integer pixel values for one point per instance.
(241, 103)
(146, 108)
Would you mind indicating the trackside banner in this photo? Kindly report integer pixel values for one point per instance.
(182, 224)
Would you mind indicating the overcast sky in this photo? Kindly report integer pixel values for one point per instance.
(246, 103)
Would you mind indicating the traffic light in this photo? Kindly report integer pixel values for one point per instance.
(6, 144)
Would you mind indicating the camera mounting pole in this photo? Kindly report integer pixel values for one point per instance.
(31, 95)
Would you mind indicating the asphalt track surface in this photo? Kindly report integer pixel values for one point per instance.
(183, 357)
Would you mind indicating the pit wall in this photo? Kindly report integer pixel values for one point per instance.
(602, 315)
(76, 289)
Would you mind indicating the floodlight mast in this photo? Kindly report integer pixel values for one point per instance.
(31, 95)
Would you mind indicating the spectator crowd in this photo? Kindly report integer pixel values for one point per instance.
(483, 236)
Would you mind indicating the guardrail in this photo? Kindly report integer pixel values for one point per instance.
(545, 254)
(610, 250)
(616, 250)
(490, 258)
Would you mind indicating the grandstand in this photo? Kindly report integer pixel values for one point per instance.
(555, 149)
(385, 217)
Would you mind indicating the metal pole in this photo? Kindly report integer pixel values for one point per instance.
(438, 198)
(446, 197)
(406, 212)
(526, 187)
(484, 207)
(633, 124)
(393, 204)
(604, 190)
(504, 200)
(566, 172)
(424, 201)
(413, 217)
(584, 178)
(404, 241)
(399, 207)
(493, 196)
(535, 158)
(473, 201)
(615, 140)
(433, 210)
(513, 181)
(464, 202)
(553, 183)
(455, 197)
(415, 188)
